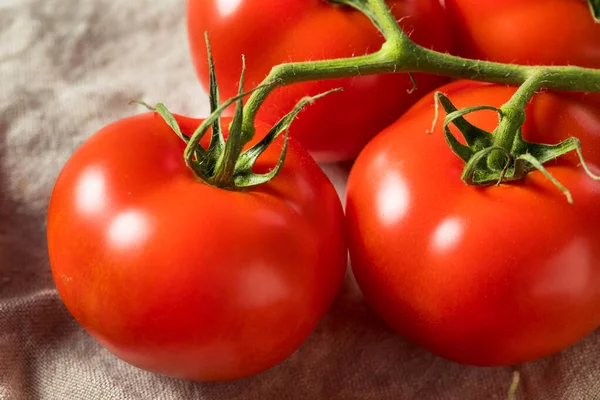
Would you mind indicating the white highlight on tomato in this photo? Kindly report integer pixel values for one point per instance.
(128, 228)
(447, 234)
(227, 7)
(260, 286)
(393, 200)
(89, 193)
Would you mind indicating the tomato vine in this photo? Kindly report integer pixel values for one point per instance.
(490, 158)
(400, 54)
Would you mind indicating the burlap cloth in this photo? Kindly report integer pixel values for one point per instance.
(68, 67)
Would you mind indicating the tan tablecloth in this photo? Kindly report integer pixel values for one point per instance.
(68, 67)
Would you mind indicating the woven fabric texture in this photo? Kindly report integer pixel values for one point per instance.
(69, 67)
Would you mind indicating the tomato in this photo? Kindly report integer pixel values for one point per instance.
(271, 32)
(549, 32)
(185, 279)
(479, 275)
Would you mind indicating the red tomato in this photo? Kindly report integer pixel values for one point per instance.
(527, 32)
(273, 32)
(479, 275)
(185, 279)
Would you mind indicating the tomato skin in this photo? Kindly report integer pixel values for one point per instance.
(185, 279)
(547, 32)
(482, 276)
(270, 33)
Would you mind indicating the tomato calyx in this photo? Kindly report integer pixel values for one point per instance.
(503, 155)
(224, 164)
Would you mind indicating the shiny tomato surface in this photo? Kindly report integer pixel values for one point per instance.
(548, 32)
(185, 279)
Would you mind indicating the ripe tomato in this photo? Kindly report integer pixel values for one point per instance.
(185, 279)
(527, 32)
(482, 276)
(273, 32)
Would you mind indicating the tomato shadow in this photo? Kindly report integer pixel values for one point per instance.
(24, 268)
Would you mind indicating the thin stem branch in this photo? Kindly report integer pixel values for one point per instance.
(513, 116)
(286, 74)
(513, 111)
(386, 21)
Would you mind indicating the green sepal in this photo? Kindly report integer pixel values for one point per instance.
(217, 141)
(535, 163)
(251, 155)
(595, 9)
(225, 163)
(166, 115)
(476, 138)
(477, 172)
(203, 128)
(244, 177)
(548, 152)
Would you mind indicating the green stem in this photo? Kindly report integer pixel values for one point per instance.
(286, 74)
(513, 111)
(386, 21)
(568, 78)
(400, 54)
(224, 176)
(513, 117)
(226, 164)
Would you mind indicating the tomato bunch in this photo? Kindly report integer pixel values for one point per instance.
(205, 282)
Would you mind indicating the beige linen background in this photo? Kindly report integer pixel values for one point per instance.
(68, 67)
